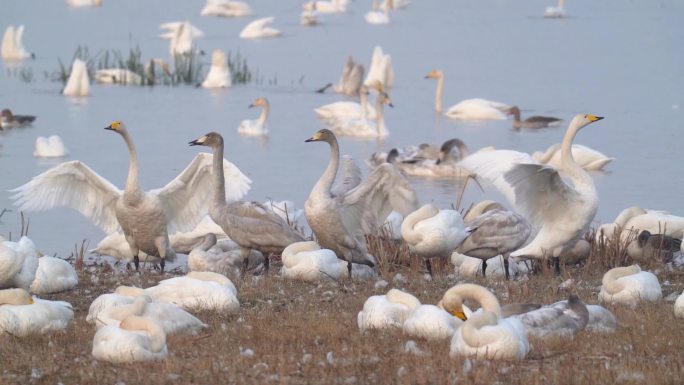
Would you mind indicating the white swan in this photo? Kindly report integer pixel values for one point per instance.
(307, 261)
(365, 128)
(106, 311)
(587, 158)
(249, 224)
(84, 3)
(256, 127)
(561, 211)
(380, 70)
(386, 311)
(12, 256)
(226, 8)
(350, 82)
(78, 83)
(12, 47)
(322, 6)
(309, 18)
(629, 285)
(171, 29)
(379, 17)
(223, 258)
(340, 219)
(127, 77)
(193, 292)
(484, 335)
(561, 319)
(494, 231)
(633, 220)
(135, 339)
(219, 73)
(432, 322)
(180, 205)
(51, 147)
(10, 120)
(22, 315)
(555, 12)
(332, 113)
(258, 29)
(394, 4)
(183, 38)
(679, 306)
(468, 109)
(433, 233)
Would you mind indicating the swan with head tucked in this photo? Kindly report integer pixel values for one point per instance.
(256, 127)
(22, 315)
(197, 290)
(350, 82)
(379, 16)
(533, 121)
(169, 317)
(493, 231)
(633, 220)
(10, 120)
(380, 70)
(555, 12)
(629, 285)
(306, 261)
(51, 147)
(135, 339)
(226, 8)
(144, 217)
(223, 258)
(78, 83)
(560, 210)
(249, 224)
(365, 127)
(388, 311)
(12, 47)
(587, 158)
(679, 306)
(258, 29)
(219, 73)
(468, 109)
(433, 233)
(341, 216)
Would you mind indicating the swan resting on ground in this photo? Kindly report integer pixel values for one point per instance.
(135, 339)
(432, 322)
(51, 147)
(22, 315)
(223, 258)
(633, 220)
(387, 311)
(629, 285)
(561, 319)
(340, 216)
(562, 211)
(306, 261)
(258, 29)
(647, 247)
(679, 306)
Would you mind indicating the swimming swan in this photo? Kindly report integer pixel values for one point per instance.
(433, 233)
(381, 16)
(135, 339)
(226, 8)
(561, 211)
(256, 127)
(468, 109)
(388, 311)
(248, 224)
(219, 73)
(12, 47)
(84, 3)
(341, 218)
(333, 113)
(78, 83)
(180, 205)
(587, 158)
(629, 285)
(322, 6)
(555, 12)
(22, 315)
(258, 29)
(51, 147)
(364, 127)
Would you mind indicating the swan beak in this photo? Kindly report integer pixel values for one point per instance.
(198, 141)
(31, 301)
(594, 118)
(311, 139)
(390, 104)
(460, 315)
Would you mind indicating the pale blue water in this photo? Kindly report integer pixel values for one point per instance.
(618, 59)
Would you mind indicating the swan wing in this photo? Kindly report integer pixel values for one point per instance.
(366, 206)
(348, 177)
(186, 198)
(71, 184)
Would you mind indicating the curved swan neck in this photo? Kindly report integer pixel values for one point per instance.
(568, 165)
(325, 183)
(438, 94)
(627, 214)
(154, 331)
(610, 279)
(471, 329)
(132, 184)
(217, 175)
(407, 232)
(486, 299)
(134, 309)
(14, 297)
(208, 242)
(263, 116)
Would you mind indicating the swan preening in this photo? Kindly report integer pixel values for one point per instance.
(144, 217)
(51, 147)
(433, 233)
(533, 121)
(259, 28)
(307, 261)
(633, 220)
(629, 286)
(219, 74)
(226, 8)
(249, 224)
(10, 120)
(78, 83)
(22, 315)
(135, 339)
(12, 47)
(561, 211)
(587, 158)
(555, 12)
(350, 82)
(340, 216)
(469, 109)
(256, 127)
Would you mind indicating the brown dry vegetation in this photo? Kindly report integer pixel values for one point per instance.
(305, 333)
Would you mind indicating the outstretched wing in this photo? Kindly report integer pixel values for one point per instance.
(186, 198)
(365, 208)
(348, 177)
(71, 184)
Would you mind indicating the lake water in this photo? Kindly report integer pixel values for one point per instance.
(615, 58)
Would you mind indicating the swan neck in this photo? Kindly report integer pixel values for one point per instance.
(568, 164)
(471, 329)
(407, 226)
(208, 243)
(363, 100)
(264, 115)
(132, 185)
(217, 175)
(610, 279)
(438, 94)
(627, 214)
(325, 183)
(380, 115)
(484, 297)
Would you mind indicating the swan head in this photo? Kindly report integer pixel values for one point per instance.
(453, 304)
(583, 120)
(211, 139)
(259, 102)
(117, 126)
(435, 74)
(392, 156)
(323, 135)
(452, 148)
(15, 297)
(7, 114)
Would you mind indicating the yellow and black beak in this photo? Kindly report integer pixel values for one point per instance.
(109, 128)
(198, 141)
(460, 315)
(594, 118)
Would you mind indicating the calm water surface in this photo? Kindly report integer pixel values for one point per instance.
(618, 59)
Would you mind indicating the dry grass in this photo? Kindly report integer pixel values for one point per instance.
(304, 333)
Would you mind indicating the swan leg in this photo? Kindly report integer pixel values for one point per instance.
(508, 275)
(136, 262)
(556, 265)
(267, 262)
(244, 253)
(161, 244)
(484, 267)
(428, 264)
(349, 269)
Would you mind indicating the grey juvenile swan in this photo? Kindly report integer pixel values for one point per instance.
(145, 217)
(341, 216)
(249, 224)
